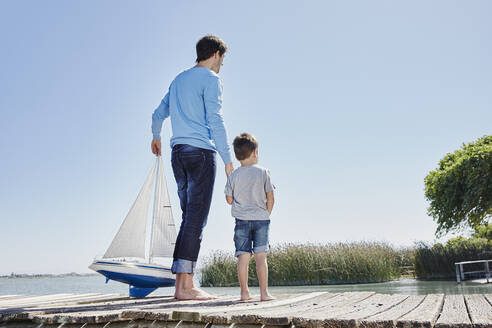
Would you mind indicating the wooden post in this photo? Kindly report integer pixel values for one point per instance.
(487, 271)
(457, 273)
(462, 272)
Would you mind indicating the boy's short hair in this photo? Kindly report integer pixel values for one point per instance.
(244, 144)
(208, 45)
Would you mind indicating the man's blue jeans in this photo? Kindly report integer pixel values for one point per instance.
(194, 170)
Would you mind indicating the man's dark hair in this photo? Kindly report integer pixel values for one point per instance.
(244, 144)
(208, 45)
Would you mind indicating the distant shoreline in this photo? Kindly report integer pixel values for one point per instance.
(46, 275)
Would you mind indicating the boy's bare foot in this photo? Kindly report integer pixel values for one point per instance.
(193, 294)
(245, 296)
(267, 297)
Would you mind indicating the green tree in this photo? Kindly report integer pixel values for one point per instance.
(460, 189)
(484, 231)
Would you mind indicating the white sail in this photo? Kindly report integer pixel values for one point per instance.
(163, 235)
(130, 239)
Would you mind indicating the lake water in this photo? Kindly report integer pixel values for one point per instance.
(96, 284)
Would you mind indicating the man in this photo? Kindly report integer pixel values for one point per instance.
(194, 102)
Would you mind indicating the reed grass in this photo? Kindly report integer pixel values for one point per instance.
(437, 261)
(342, 263)
(312, 264)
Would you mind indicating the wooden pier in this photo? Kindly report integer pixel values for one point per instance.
(319, 309)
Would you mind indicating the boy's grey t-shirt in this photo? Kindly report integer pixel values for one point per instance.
(249, 185)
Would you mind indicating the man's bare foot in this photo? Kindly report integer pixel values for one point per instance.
(193, 294)
(267, 297)
(245, 296)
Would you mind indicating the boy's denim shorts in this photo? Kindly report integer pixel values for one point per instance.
(251, 236)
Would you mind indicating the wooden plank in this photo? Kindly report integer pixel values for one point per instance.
(63, 305)
(196, 314)
(338, 305)
(28, 314)
(280, 301)
(454, 313)
(12, 298)
(160, 311)
(187, 309)
(44, 302)
(388, 318)
(17, 316)
(223, 300)
(68, 299)
(139, 314)
(280, 315)
(158, 308)
(370, 306)
(341, 310)
(374, 305)
(78, 317)
(32, 300)
(116, 304)
(25, 311)
(224, 316)
(342, 304)
(100, 298)
(165, 312)
(109, 302)
(4, 297)
(480, 310)
(424, 315)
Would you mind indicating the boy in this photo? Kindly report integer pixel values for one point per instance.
(250, 192)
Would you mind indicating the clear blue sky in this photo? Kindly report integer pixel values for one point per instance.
(353, 103)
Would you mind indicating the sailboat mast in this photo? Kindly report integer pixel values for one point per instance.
(156, 204)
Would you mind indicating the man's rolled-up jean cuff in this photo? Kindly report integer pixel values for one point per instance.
(183, 266)
(259, 249)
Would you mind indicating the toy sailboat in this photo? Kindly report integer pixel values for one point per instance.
(126, 260)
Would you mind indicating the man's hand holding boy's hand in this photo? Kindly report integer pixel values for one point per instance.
(229, 168)
(270, 201)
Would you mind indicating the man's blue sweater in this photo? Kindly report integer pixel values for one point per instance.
(194, 102)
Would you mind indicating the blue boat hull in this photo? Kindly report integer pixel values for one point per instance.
(138, 280)
(142, 278)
